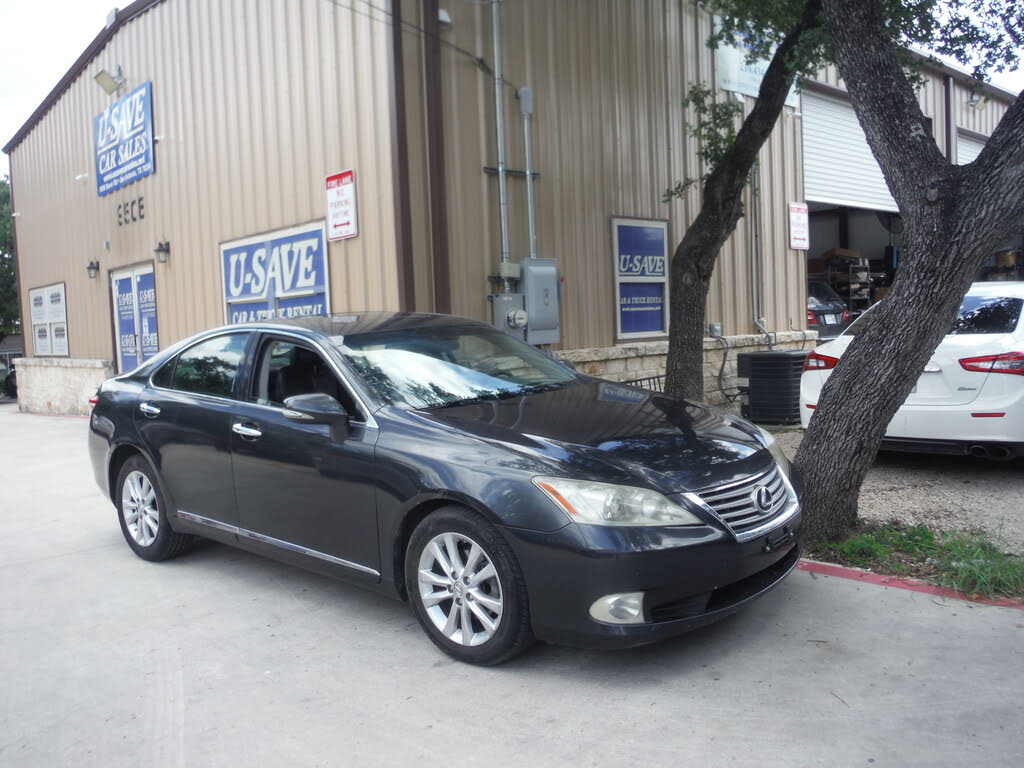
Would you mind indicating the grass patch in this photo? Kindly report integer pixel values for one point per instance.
(966, 561)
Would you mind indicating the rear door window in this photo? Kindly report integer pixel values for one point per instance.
(211, 367)
(988, 314)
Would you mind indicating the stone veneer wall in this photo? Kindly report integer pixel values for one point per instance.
(59, 384)
(626, 362)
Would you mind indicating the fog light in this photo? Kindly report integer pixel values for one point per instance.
(625, 608)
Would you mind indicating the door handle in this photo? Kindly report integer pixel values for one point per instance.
(149, 410)
(245, 431)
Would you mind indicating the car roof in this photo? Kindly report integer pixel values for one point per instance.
(997, 288)
(355, 323)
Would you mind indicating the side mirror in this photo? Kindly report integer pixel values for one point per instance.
(314, 408)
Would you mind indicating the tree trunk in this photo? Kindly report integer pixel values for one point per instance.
(721, 207)
(954, 217)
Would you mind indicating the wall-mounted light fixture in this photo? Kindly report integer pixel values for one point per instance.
(110, 82)
(93, 269)
(162, 251)
(974, 99)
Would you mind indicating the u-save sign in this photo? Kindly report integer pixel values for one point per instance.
(640, 250)
(123, 140)
(280, 274)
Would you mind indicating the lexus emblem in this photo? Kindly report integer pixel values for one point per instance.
(762, 498)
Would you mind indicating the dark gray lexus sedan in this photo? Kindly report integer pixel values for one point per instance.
(443, 462)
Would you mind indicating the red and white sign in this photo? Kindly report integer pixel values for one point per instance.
(341, 206)
(799, 227)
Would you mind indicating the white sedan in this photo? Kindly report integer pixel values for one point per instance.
(970, 397)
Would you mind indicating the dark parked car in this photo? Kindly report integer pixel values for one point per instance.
(827, 313)
(441, 461)
(9, 377)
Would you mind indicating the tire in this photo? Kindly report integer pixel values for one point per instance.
(136, 481)
(497, 606)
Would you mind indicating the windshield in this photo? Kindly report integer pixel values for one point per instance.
(450, 365)
(977, 314)
(987, 314)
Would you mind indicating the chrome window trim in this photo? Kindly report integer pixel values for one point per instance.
(787, 514)
(263, 539)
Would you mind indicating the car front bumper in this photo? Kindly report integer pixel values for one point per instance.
(690, 577)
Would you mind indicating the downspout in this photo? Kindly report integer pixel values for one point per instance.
(754, 247)
(499, 124)
(526, 110)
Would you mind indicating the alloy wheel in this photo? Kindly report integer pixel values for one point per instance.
(460, 589)
(139, 507)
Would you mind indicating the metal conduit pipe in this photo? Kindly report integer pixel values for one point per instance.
(754, 247)
(499, 123)
(526, 110)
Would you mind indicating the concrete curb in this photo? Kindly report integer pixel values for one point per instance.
(870, 577)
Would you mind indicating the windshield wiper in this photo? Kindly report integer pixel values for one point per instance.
(484, 397)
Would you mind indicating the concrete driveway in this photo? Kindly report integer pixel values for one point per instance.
(222, 658)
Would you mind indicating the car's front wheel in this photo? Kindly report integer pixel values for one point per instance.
(142, 513)
(467, 588)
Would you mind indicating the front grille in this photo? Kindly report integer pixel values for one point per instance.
(735, 504)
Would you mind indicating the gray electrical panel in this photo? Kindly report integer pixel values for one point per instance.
(508, 313)
(539, 284)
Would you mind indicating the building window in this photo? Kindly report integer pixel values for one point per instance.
(49, 319)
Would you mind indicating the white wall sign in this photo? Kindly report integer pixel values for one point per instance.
(48, 314)
(799, 227)
(342, 221)
(733, 73)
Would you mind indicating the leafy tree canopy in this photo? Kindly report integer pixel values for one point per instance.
(8, 283)
(986, 36)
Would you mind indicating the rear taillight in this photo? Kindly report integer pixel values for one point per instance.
(1008, 362)
(846, 315)
(818, 362)
(93, 400)
(811, 319)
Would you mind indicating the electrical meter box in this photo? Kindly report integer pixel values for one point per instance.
(539, 284)
(508, 314)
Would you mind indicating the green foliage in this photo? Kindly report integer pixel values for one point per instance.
(714, 131)
(985, 35)
(967, 562)
(8, 282)
(972, 564)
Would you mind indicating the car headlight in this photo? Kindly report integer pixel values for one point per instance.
(592, 503)
(769, 441)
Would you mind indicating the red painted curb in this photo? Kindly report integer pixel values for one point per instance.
(52, 415)
(856, 574)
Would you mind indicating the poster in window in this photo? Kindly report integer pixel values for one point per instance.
(37, 305)
(41, 339)
(640, 250)
(146, 291)
(126, 331)
(59, 339)
(56, 311)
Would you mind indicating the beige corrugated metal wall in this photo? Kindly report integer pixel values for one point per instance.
(609, 77)
(255, 101)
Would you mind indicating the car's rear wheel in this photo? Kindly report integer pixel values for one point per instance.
(142, 513)
(467, 588)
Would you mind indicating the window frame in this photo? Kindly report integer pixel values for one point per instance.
(266, 338)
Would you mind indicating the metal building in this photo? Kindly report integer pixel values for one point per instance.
(202, 163)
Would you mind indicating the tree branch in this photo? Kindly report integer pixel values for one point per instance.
(883, 97)
(771, 97)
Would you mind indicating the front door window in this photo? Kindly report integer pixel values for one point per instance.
(134, 293)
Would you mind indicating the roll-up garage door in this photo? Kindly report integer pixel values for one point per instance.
(838, 165)
(967, 149)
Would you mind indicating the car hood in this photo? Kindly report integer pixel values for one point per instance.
(615, 433)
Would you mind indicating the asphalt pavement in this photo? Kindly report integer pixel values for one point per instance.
(224, 658)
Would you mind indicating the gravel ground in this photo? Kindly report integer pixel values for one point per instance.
(943, 492)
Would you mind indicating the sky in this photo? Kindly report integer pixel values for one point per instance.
(43, 38)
